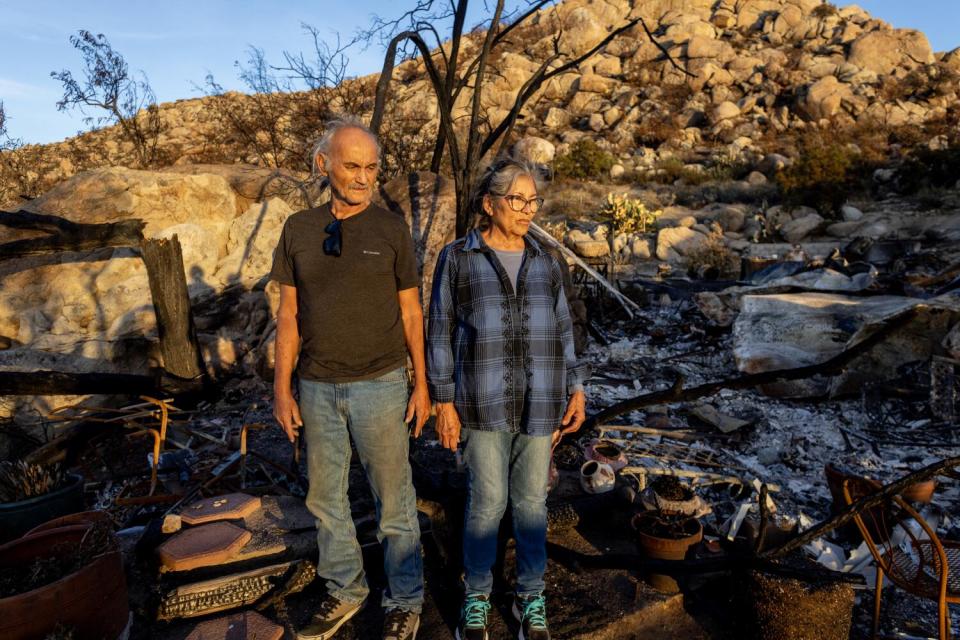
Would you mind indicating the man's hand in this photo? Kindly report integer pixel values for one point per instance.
(287, 413)
(448, 425)
(418, 405)
(575, 414)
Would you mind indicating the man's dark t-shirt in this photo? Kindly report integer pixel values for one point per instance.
(347, 308)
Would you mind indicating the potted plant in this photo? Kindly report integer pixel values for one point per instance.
(31, 494)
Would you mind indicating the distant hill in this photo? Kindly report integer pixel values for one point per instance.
(756, 76)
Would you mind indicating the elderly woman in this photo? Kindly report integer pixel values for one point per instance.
(503, 373)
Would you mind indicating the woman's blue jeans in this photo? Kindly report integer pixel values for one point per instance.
(371, 411)
(502, 465)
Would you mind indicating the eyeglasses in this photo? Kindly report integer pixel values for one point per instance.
(333, 244)
(519, 203)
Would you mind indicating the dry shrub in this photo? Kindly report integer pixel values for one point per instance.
(821, 177)
(714, 257)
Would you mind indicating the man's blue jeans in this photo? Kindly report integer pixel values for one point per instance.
(371, 411)
(501, 465)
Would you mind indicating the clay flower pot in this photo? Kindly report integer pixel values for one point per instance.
(92, 600)
(654, 541)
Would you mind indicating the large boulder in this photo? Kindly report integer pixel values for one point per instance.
(93, 311)
(674, 243)
(824, 98)
(883, 51)
(534, 150)
(581, 32)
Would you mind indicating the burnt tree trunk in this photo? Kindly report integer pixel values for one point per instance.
(171, 302)
(17, 383)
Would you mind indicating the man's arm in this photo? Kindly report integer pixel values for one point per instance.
(285, 408)
(412, 315)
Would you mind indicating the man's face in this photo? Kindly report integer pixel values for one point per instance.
(351, 165)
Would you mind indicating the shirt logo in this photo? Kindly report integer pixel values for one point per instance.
(371, 253)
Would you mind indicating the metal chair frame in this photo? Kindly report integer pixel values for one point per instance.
(928, 574)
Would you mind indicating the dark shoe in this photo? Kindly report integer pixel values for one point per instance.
(531, 613)
(473, 618)
(331, 615)
(400, 624)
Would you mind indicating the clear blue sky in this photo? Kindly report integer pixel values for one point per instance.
(177, 42)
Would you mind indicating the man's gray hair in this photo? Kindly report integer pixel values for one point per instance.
(324, 143)
(497, 179)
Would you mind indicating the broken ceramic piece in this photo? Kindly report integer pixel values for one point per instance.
(232, 506)
(597, 477)
(248, 625)
(606, 452)
(202, 546)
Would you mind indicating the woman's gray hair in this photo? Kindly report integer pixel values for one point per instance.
(497, 179)
(325, 142)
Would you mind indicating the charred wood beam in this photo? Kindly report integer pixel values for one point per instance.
(65, 235)
(19, 383)
(171, 302)
(867, 502)
(677, 393)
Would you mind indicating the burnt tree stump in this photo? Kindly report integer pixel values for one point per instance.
(171, 302)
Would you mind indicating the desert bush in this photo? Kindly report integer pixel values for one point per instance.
(122, 98)
(628, 215)
(585, 161)
(824, 10)
(714, 257)
(821, 177)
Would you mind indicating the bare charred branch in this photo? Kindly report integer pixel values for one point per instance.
(663, 49)
(541, 76)
(19, 383)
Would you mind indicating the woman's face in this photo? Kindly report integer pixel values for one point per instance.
(521, 195)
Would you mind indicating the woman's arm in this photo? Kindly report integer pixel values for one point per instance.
(440, 357)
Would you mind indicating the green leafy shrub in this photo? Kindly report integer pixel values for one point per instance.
(585, 161)
(822, 177)
(628, 215)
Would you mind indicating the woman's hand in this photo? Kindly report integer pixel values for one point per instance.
(448, 425)
(575, 414)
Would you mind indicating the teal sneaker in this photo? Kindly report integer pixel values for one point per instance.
(473, 618)
(531, 613)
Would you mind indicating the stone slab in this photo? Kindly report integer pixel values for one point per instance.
(247, 625)
(202, 546)
(232, 506)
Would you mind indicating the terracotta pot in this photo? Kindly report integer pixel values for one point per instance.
(92, 601)
(82, 518)
(663, 548)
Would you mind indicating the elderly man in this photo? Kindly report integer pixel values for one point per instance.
(349, 305)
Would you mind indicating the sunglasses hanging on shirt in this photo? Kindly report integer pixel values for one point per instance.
(333, 244)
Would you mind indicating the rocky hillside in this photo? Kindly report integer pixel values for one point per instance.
(750, 77)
